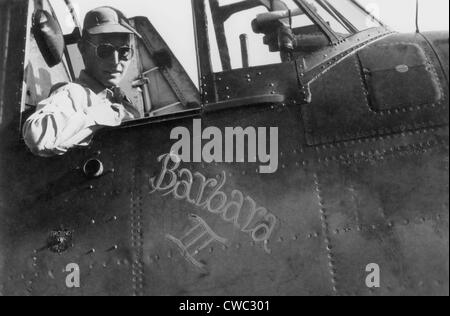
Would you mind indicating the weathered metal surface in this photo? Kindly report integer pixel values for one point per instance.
(12, 48)
(357, 183)
(13, 20)
(346, 97)
(392, 69)
(439, 43)
(264, 80)
(337, 209)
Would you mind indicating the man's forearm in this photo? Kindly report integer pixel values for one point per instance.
(50, 134)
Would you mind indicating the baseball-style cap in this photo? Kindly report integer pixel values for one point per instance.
(107, 20)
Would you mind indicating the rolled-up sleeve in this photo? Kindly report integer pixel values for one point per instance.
(60, 122)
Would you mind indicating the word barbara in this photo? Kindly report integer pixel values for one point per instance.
(207, 194)
(234, 151)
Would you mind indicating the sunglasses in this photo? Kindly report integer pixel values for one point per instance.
(105, 51)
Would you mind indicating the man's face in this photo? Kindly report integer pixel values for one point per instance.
(110, 70)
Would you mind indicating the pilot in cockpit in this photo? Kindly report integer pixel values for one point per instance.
(75, 111)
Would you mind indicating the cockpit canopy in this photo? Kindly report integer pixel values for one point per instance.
(231, 36)
(280, 30)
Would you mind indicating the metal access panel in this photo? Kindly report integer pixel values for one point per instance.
(399, 75)
(353, 100)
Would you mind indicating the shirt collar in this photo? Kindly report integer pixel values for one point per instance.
(90, 82)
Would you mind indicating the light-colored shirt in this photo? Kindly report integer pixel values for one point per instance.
(72, 114)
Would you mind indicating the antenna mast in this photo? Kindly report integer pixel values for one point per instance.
(417, 17)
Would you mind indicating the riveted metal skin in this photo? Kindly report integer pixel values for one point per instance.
(357, 183)
(439, 43)
(368, 93)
